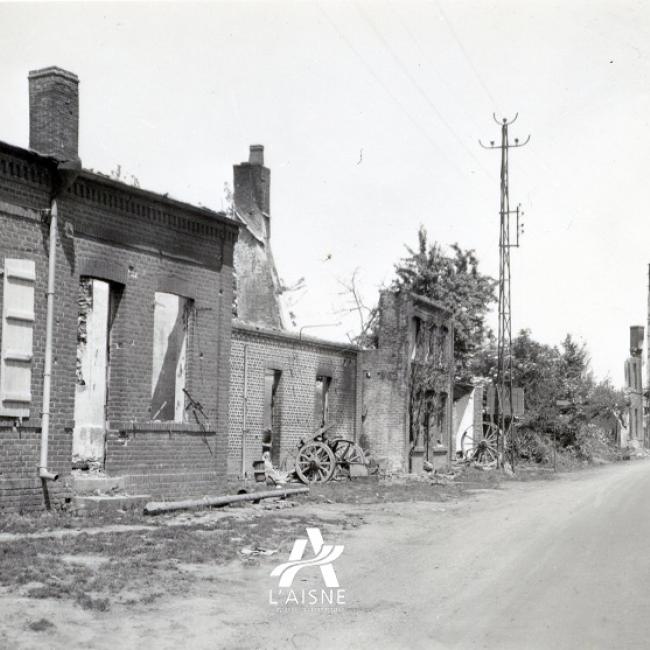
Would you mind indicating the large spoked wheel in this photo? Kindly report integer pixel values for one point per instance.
(315, 463)
(480, 445)
(347, 453)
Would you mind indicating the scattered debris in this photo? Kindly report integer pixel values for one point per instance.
(42, 625)
(273, 474)
(258, 550)
(157, 507)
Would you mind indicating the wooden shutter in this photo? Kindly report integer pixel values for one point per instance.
(17, 337)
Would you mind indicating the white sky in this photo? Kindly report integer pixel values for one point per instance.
(175, 93)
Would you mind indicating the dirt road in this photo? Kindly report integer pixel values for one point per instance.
(558, 564)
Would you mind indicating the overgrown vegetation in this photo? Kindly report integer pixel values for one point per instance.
(455, 282)
(566, 408)
(94, 571)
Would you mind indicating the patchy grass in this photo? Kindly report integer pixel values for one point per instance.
(131, 567)
(42, 521)
(138, 566)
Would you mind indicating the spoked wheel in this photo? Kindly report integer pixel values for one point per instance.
(480, 445)
(315, 463)
(347, 453)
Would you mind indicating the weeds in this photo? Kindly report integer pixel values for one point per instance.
(145, 563)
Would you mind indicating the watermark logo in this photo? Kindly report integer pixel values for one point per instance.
(324, 556)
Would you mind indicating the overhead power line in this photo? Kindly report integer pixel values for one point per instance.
(454, 35)
(420, 90)
(376, 77)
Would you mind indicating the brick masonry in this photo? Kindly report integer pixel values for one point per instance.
(256, 281)
(54, 112)
(299, 361)
(144, 243)
(385, 374)
(167, 460)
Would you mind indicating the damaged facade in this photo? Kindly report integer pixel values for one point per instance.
(407, 384)
(142, 311)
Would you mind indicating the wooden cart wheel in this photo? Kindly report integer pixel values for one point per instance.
(315, 463)
(480, 446)
(347, 453)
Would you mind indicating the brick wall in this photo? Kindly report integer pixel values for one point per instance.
(20, 487)
(167, 459)
(54, 112)
(257, 286)
(256, 299)
(386, 373)
(385, 403)
(145, 243)
(24, 191)
(299, 361)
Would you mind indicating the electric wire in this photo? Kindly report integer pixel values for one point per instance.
(376, 77)
(419, 88)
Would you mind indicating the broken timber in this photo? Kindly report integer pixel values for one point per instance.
(156, 507)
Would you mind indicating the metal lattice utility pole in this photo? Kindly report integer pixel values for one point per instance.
(504, 401)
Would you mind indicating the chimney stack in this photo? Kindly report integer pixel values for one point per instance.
(252, 190)
(256, 156)
(54, 113)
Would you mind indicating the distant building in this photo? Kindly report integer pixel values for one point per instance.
(633, 435)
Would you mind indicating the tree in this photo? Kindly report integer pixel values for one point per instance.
(562, 399)
(456, 282)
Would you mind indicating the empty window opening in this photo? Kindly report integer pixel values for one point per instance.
(417, 334)
(98, 301)
(321, 401)
(170, 341)
(272, 412)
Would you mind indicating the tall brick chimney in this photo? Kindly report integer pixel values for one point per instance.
(636, 340)
(54, 113)
(252, 191)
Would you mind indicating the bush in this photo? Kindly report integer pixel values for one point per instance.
(535, 447)
(593, 442)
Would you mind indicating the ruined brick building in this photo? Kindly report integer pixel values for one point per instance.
(293, 384)
(408, 411)
(142, 288)
(280, 380)
(142, 338)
